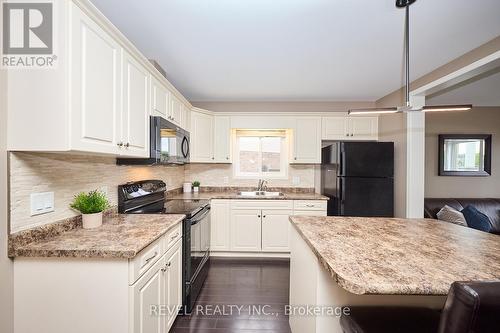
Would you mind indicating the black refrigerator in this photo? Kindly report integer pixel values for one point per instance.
(358, 177)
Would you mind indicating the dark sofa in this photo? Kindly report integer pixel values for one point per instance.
(490, 207)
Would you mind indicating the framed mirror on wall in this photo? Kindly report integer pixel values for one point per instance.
(464, 155)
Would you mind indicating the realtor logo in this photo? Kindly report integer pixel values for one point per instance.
(28, 33)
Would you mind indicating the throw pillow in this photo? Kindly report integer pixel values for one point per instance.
(450, 214)
(476, 220)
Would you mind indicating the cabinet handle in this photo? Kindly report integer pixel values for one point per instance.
(147, 260)
(127, 145)
(258, 216)
(264, 216)
(347, 134)
(174, 236)
(309, 205)
(167, 265)
(120, 144)
(352, 134)
(213, 158)
(227, 157)
(295, 158)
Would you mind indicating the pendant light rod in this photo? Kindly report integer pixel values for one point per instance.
(407, 54)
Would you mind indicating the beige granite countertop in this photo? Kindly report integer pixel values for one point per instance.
(208, 195)
(399, 256)
(120, 236)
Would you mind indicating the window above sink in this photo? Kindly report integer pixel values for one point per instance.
(260, 154)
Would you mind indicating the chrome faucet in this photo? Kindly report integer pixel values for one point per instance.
(262, 186)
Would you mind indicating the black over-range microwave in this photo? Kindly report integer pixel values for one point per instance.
(169, 144)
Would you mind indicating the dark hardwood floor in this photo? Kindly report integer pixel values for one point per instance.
(241, 296)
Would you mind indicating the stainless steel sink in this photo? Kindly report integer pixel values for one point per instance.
(259, 194)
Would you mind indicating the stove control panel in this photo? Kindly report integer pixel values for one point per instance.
(141, 188)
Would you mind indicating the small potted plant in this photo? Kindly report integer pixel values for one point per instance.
(196, 186)
(91, 205)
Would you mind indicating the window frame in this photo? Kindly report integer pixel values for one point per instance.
(487, 155)
(284, 159)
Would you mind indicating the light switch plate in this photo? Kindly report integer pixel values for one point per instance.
(225, 180)
(296, 180)
(42, 203)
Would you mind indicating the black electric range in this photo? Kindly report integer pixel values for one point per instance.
(148, 197)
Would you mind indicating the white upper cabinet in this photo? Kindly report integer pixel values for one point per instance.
(335, 128)
(159, 99)
(96, 90)
(135, 111)
(307, 141)
(363, 128)
(222, 139)
(99, 97)
(349, 128)
(201, 137)
(175, 110)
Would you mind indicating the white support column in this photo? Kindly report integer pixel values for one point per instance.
(415, 160)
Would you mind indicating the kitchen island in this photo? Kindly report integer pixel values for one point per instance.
(345, 261)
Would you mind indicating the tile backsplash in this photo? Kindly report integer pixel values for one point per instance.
(66, 175)
(222, 175)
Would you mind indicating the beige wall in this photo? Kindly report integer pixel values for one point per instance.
(281, 106)
(476, 121)
(6, 270)
(215, 174)
(393, 125)
(392, 128)
(66, 175)
(397, 97)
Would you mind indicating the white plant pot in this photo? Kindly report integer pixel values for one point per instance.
(196, 189)
(92, 220)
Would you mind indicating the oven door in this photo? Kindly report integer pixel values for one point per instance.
(196, 248)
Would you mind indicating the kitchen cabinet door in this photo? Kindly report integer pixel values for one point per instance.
(222, 139)
(173, 283)
(201, 136)
(184, 123)
(363, 128)
(135, 113)
(175, 113)
(307, 141)
(159, 99)
(275, 230)
(335, 128)
(246, 230)
(95, 85)
(220, 232)
(146, 292)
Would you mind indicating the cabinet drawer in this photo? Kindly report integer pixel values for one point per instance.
(309, 205)
(145, 259)
(262, 204)
(172, 236)
(310, 212)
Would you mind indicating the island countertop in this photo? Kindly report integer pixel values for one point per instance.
(121, 236)
(390, 256)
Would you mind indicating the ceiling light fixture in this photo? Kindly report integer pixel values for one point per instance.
(409, 108)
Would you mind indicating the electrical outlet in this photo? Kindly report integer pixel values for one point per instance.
(42, 203)
(296, 180)
(225, 180)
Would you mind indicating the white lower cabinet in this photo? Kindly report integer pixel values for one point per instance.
(220, 225)
(246, 230)
(81, 295)
(275, 230)
(256, 227)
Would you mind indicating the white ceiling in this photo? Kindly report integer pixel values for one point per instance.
(479, 91)
(298, 50)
